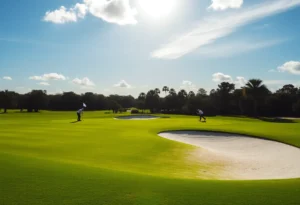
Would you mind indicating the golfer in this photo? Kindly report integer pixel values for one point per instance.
(79, 112)
(201, 114)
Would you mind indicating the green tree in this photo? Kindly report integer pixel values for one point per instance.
(157, 91)
(37, 100)
(182, 93)
(152, 100)
(191, 94)
(141, 101)
(8, 100)
(182, 98)
(172, 91)
(165, 89)
(223, 95)
(142, 96)
(258, 91)
(202, 92)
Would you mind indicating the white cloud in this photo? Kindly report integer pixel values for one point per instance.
(225, 4)
(240, 81)
(84, 82)
(292, 67)
(81, 10)
(188, 86)
(7, 78)
(61, 16)
(236, 48)
(112, 11)
(220, 77)
(44, 83)
(213, 28)
(122, 84)
(49, 76)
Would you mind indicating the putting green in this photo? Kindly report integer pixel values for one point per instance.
(47, 159)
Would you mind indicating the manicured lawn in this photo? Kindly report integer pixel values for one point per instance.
(46, 159)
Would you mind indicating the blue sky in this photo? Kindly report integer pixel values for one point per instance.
(131, 46)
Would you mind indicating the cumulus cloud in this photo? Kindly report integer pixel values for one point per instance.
(85, 82)
(122, 84)
(112, 11)
(220, 77)
(292, 67)
(7, 78)
(225, 4)
(49, 76)
(44, 83)
(213, 28)
(188, 85)
(81, 10)
(240, 81)
(64, 15)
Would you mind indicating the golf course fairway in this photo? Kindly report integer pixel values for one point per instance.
(48, 158)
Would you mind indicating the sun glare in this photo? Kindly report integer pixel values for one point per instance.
(157, 8)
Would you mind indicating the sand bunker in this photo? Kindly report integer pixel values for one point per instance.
(137, 117)
(242, 157)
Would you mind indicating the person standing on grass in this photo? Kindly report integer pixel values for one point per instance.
(79, 112)
(201, 114)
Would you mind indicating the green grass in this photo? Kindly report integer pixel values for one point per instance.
(46, 159)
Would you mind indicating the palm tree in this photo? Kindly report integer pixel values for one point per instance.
(182, 93)
(142, 100)
(182, 97)
(191, 94)
(157, 91)
(223, 96)
(257, 90)
(172, 91)
(152, 100)
(165, 89)
(142, 96)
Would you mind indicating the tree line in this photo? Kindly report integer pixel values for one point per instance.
(254, 99)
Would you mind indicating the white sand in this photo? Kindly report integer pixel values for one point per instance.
(243, 158)
(137, 117)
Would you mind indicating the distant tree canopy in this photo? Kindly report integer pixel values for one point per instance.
(253, 99)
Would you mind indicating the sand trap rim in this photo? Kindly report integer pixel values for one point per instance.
(227, 132)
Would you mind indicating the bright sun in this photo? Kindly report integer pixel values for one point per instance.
(157, 8)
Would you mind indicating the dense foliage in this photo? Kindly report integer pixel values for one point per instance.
(253, 99)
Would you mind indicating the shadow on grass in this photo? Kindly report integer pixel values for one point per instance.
(75, 122)
(276, 120)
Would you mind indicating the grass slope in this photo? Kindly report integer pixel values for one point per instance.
(46, 159)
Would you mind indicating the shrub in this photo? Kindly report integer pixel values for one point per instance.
(134, 111)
